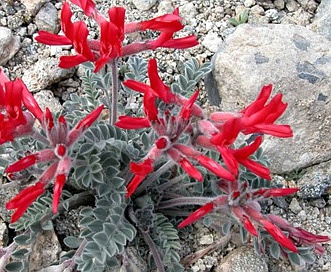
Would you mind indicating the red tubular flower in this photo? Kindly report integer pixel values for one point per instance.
(275, 192)
(112, 35)
(75, 34)
(88, 6)
(141, 170)
(260, 117)
(23, 200)
(60, 141)
(242, 156)
(274, 231)
(300, 235)
(128, 122)
(199, 213)
(244, 219)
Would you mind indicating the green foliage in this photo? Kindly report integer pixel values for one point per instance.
(242, 19)
(165, 236)
(193, 73)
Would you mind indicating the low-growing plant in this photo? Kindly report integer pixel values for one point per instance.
(139, 174)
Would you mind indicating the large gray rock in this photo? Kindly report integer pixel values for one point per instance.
(322, 20)
(298, 62)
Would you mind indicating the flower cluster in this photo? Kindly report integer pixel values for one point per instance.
(241, 203)
(215, 132)
(112, 32)
(181, 132)
(17, 123)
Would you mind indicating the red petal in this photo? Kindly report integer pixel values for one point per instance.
(196, 215)
(88, 6)
(159, 88)
(190, 169)
(52, 39)
(133, 185)
(185, 112)
(58, 186)
(22, 164)
(181, 43)
(215, 168)
(278, 235)
(243, 218)
(128, 122)
(259, 102)
(89, 119)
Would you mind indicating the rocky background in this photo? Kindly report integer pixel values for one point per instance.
(286, 43)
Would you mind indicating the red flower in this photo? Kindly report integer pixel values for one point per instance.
(260, 117)
(60, 140)
(111, 38)
(13, 121)
(23, 200)
(75, 34)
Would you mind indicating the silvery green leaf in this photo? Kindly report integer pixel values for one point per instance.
(72, 242)
(20, 253)
(294, 258)
(309, 258)
(14, 266)
(22, 239)
(226, 228)
(275, 250)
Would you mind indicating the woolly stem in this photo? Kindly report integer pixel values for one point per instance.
(114, 90)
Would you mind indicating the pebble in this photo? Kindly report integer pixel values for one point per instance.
(295, 206)
(291, 5)
(249, 3)
(9, 45)
(144, 4)
(279, 4)
(47, 19)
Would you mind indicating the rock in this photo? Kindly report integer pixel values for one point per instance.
(206, 239)
(188, 11)
(16, 20)
(45, 72)
(249, 3)
(279, 4)
(212, 41)
(291, 5)
(3, 234)
(322, 20)
(295, 206)
(46, 99)
(33, 6)
(47, 19)
(316, 182)
(9, 45)
(243, 259)
(45, 250)
(144, 4)
(298, 62)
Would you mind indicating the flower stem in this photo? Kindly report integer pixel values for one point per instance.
(114, 90)
(184, 201)
(152, 177)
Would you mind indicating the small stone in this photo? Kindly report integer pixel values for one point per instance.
(3, 234)
(45, 250)
(279, 4)
(295, 206)
(302, 215)
(212, 41)
(249, 3)
(272, 14)
(144, 4)
(47, 19)
(291, 5)
(9, 45)
(206, 239)
(33, 6)
(319, 203)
